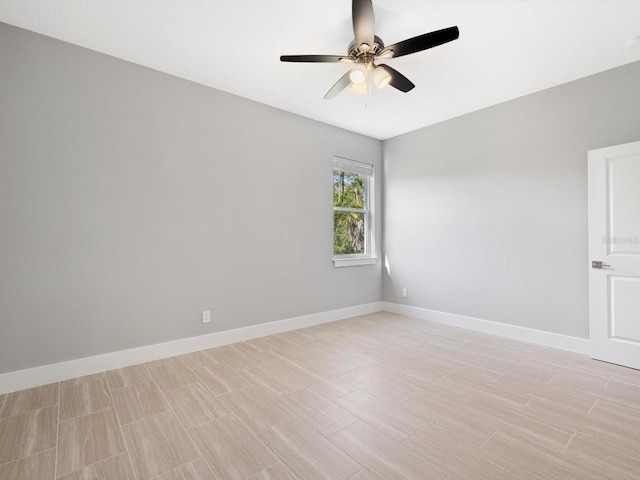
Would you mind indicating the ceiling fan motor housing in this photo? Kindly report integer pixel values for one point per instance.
(365, 55)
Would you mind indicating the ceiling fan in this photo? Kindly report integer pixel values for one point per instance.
(367, 48)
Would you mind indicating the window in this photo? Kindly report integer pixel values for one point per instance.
(352, 220)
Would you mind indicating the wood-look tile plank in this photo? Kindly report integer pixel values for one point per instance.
(84, 398)
(540, 432)
(256, 409)
(199, 359)
(453, 452)
(307, 454)
(506, 353)
(579, 380)
(523, 380)
(162, 361)
(476, 429)
(324, 330)
(331, 389)
(606, 407)
(86, 440)
(605, 459)
(196, 404)
(561, 358)
(625, 382)
(278, 472)
(158, 444)
(473, 377)
(457, 387)
(28, 433)
(221, 378)
(127, 376)
(494, 364)
(447, 353)
(510, 344)
(322, 363)
(384, 386)
(435, 391)
(261, 344)
(287, 347)
(239, 346)
(578, 400)
(84, 379)
(28, 400)
(590, 365)
(231, 450)
(622, 390)
(40, 466)
(272, 375)
(139, 401)
(349, 353)
(196, 470)
(383, 456)
(628, 388)
(114, 468)
(395, 422)
(369, 475)
(323, 416)
(276, 362)
(423, 378)
(437, 362)
(535, 429)
(172, 375)
(615, 424)
(360, 378)
(560, 414)
(418, 367)
(527, 460)
(297, 336)
(239, 356)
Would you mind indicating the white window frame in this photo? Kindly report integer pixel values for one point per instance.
(366, 170)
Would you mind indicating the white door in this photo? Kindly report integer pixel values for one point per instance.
(614, 240)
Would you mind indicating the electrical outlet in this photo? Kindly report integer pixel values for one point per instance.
(206, 316)
(405, 292)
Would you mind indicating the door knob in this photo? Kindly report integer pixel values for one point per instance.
(598, 264)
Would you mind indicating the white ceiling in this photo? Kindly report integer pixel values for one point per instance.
(506, 49)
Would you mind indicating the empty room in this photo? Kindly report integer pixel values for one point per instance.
(319, 239)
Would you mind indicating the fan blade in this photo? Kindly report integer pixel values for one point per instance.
(338, 87)
(363, 22)
(314, 58)
(423, 42)
(398, 80)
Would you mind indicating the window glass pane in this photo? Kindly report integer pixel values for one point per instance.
(348, 189)
(348, 233)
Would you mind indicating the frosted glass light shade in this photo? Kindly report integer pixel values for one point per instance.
(358, 75)
(381, 77)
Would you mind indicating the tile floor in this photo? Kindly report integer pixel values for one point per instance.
(376, 397)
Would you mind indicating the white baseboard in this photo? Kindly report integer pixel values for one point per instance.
(33, 377)
(539, 337)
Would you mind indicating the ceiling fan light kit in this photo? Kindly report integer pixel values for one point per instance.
(367, 48)
(358, 75)
(381, 77)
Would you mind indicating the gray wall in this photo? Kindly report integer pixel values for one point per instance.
(486, 214)
(131, 200)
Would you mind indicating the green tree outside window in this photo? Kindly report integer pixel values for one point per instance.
(350, 213)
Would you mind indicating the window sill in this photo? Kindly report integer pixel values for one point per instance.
(353, 261)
